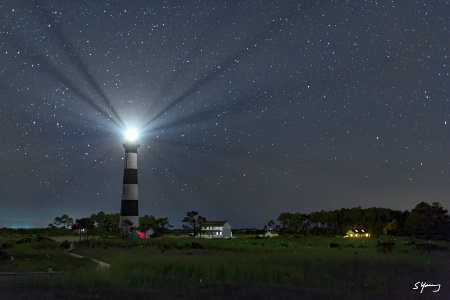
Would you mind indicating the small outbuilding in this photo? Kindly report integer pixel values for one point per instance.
(356, 233)
(270, 233)
(146, 233)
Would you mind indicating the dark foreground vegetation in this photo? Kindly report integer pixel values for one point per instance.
(245, 267)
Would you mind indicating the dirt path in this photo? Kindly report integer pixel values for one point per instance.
(101, 265)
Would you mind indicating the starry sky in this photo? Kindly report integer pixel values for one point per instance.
(245, 109)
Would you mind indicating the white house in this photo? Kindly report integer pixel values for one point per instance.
(216, 229)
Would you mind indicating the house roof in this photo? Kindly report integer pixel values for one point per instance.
(214, 223)
(358, 231)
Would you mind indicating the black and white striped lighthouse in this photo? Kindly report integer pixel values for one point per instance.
(129, 204)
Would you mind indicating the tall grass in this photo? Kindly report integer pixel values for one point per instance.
(35, 255)
(331, 265)
(309, 264)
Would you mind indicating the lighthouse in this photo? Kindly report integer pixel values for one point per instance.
(129, 204)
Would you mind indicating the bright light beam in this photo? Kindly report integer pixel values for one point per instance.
(131, 135)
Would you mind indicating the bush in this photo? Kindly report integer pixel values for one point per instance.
(65, 244)
(84, 243)
(23, 241)
(385, 247)
(195, 245)
(4, 255)
(427, 247)
(41, 239)
(333, 245)
(6, 245)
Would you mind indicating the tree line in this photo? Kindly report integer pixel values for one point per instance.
(102, 222)
(423, 220)
(109, 223)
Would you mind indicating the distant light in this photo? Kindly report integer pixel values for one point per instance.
(131, 135)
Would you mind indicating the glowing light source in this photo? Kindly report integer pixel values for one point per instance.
(131, 135)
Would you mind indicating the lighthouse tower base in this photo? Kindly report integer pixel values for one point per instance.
(134, 220)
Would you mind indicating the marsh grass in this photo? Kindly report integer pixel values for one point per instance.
(35, 255)
(353, 267)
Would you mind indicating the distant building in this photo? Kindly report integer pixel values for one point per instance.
(355, 233)
(216, 229)
(146, 233)
(270, 233)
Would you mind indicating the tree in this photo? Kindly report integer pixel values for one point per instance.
(200, 221)
(190, 221)
(128, 225)
(271, 224)
(391, 228)
(84, 225)
(111, 223)
(63, 222)
(148, 222)
(100, 219)
(426, 219)
(439, 218)
(163, 223)
(285, 218)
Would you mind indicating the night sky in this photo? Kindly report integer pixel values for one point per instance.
(245, 110)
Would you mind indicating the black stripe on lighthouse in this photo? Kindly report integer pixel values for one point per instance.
(129, 208)
(130, 176)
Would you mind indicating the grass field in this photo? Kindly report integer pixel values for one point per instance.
(314, 267)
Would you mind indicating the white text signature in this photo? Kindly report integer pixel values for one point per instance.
(423, 285)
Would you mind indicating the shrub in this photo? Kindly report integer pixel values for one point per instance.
(385, 247)
(23, 241)
(43, 239)
(195, 245)
(6, 245)
(84, 243)
(427, 247)
(65, 244)
(4, 255)
(333, 245)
